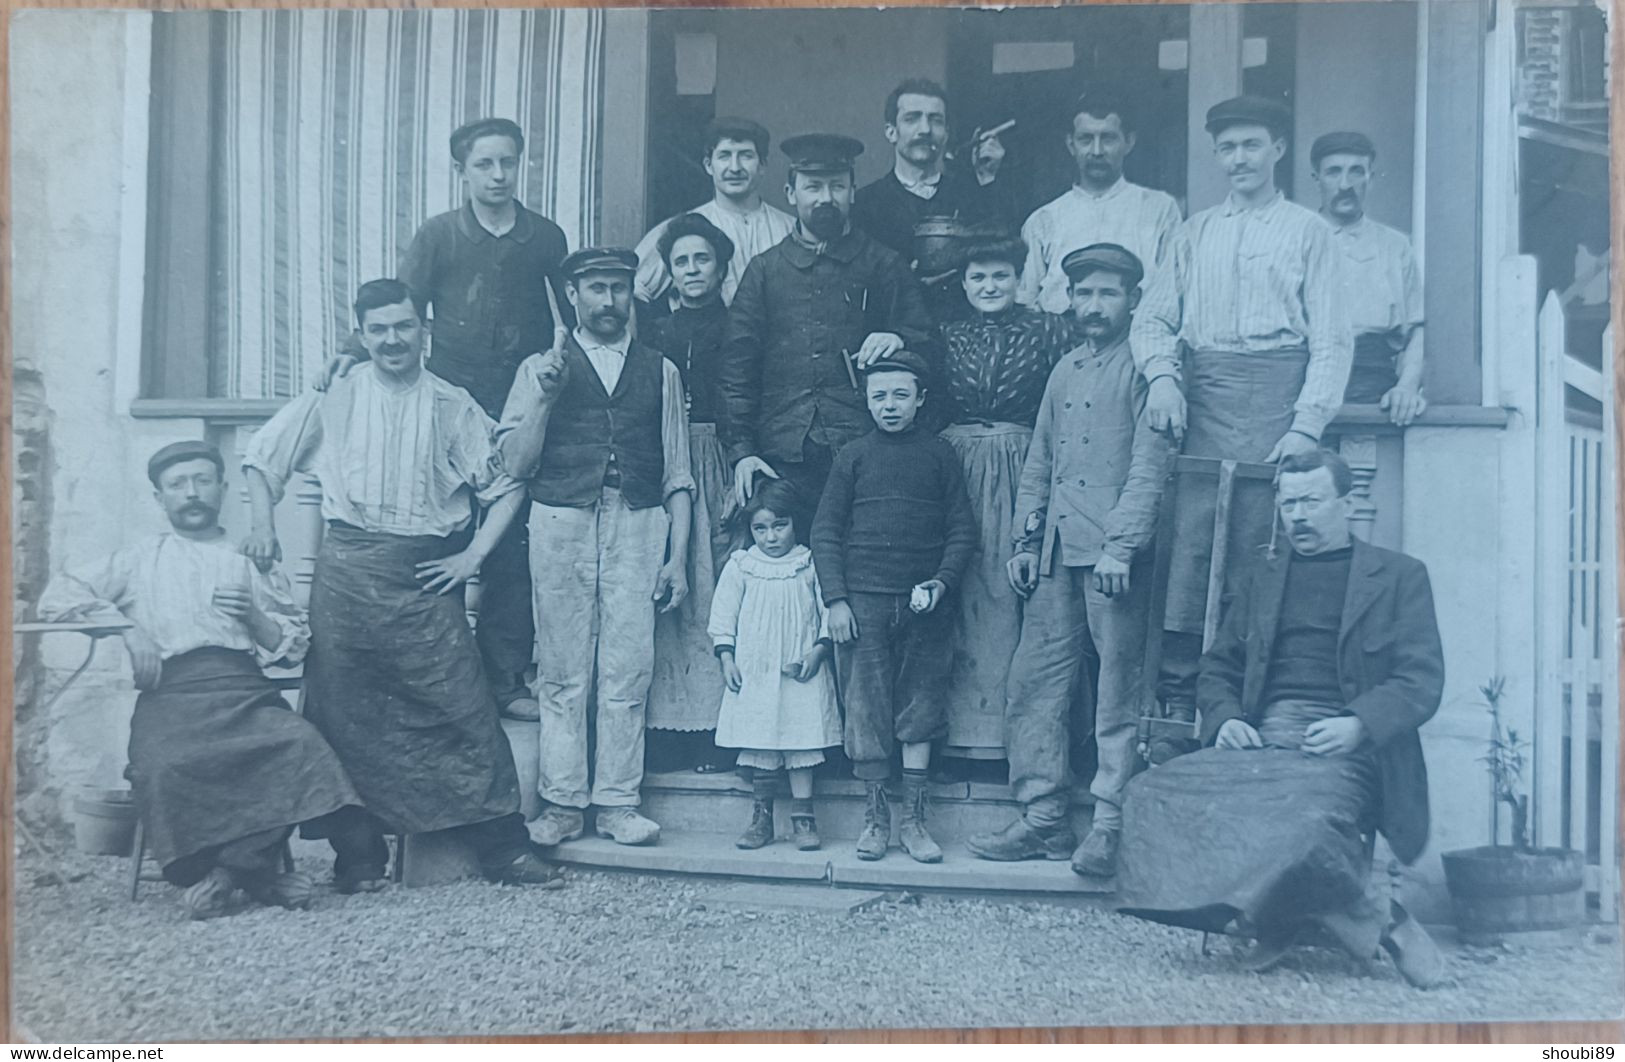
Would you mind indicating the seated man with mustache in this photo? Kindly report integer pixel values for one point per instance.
(222, 769)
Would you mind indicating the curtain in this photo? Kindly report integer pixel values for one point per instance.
(331, 149)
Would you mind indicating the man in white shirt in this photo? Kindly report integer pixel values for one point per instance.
(1101, 207)
(221, 769)
(598, 430)
(394, 680)
(734, 150)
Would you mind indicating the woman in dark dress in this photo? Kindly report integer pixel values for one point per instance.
(689, 327)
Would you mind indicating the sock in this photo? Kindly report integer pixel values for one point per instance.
(765, 784)
(801, 808)
(912, 777)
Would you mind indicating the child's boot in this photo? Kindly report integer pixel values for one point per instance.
(916, 841)
(760, 831)
(876, 835)
(804, 825)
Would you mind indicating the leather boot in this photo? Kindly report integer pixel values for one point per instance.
(804, 825)
(760, 831)
(876, 835)
(916, 841)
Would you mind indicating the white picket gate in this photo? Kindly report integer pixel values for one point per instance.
(1576, 737)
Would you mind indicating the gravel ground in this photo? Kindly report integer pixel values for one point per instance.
(622, 953)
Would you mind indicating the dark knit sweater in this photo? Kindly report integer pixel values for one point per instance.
(894, 514)
(1303, 661)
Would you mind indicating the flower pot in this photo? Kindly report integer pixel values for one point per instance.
(1496, 890)
(104, 821)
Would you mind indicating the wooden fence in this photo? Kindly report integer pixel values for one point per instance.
(1576, 738)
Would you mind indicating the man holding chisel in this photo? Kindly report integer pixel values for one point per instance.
(811, 313)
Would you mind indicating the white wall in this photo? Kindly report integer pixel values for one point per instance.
(71, 222)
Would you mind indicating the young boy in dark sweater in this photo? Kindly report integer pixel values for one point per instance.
(893, 535)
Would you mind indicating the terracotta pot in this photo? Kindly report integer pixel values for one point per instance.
(104, 821)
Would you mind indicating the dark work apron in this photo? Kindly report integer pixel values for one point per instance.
(1238, 407)
(394, 683)
(1375, 370)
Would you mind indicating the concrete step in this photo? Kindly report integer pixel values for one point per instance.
(721, 803)
(687, 801)
(714, 855)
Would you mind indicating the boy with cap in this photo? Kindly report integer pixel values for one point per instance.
(893, 535)
(1254, 292)
(1381, 282)
(489, 272)
(596, 428)
(809, 314)
(1085, 512)
(221, 769)
(735, 150)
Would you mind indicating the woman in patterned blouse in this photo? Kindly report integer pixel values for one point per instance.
(998, 361)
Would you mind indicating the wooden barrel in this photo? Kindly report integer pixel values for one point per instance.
(1497, 890)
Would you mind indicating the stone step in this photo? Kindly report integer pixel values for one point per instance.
(714, 855)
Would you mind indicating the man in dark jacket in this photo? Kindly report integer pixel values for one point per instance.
(1324, 667)
(810, 314)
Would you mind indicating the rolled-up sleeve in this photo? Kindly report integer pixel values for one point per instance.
(1331, 340)
(274, 597)
(89, 594)
(1154, 335)
(287, 443)
(474, 454)
(674, 432)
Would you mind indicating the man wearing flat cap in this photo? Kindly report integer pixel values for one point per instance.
(1253, 294)
(1382, 286)
(1085, 512)
(221, 768)
(810, 314)
(597, 430)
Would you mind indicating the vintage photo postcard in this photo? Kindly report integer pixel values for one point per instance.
(581, 520)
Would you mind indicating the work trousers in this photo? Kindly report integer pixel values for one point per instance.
(594, 570)
(893, 679)
(1065, 620)
(506, 635)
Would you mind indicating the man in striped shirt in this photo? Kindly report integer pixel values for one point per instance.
(1253, 290)
(1381, 280)
(1102, 207)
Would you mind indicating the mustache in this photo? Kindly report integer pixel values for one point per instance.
(395, 348)
(1095, 318)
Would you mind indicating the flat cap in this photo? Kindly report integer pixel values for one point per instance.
(821, 152)
(1341, 143)
(186, 450)
(1114, 258)
(597, 259)
(1249, 110)
(902, 361)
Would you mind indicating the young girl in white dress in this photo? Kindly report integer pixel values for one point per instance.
(771, 637)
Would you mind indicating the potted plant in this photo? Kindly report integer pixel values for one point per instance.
(1498, 888)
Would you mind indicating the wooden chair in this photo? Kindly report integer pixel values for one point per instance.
(1241, 498)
